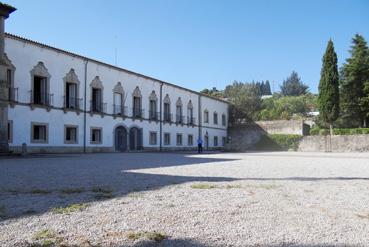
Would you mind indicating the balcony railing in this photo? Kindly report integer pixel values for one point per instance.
(13, 94)
(137, 113)
(153, 115)
(191, 120)
(72, 103)
(120, 110)
(97, 107)
(179, 119)
(167, 117)
(38, 98)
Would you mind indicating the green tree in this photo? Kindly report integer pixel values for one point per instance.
(328, 99)
(267, 90)
(354, 75)
(293, 86)
(245, 99)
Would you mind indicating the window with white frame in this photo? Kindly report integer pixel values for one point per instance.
(190, 140)
(166, 138)
(215, 117)
(206, 116)
(153, 138)
(39, 132)
(70, 134)
(96, 135)
(179, 139)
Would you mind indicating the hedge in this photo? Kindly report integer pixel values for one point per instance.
(339, 131)
(278, 142)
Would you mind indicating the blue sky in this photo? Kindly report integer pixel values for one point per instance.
(198, 43)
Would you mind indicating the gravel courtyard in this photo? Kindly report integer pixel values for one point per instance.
(168, 199)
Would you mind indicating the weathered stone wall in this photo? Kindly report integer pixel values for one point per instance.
(243, 137)
(336, 143)
(297, 127)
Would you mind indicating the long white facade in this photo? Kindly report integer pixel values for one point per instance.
(63, 102)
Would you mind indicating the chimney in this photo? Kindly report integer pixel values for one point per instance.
(5, 10)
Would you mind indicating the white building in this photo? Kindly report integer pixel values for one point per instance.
(63, 102)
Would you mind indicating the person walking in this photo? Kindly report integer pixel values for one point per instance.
(199, 145)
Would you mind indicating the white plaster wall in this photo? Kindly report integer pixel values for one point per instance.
(25, 56)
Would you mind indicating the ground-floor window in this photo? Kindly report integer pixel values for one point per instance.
(39, 132)
(190, 140)
(96, 135)
(153, 138)
(215, 141)
(166, 138)
(70, 134)
(223, 141)
(179, 139)
(10, 131)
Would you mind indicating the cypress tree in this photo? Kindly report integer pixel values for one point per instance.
(268, 91)
(355, 73)
(328, 98)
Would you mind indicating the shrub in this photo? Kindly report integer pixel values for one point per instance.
(278, 142)
(339, 131)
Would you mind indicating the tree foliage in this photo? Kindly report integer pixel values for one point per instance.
(328, 99)
(293, 86)
(354, 76)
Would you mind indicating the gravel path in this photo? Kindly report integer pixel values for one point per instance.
(219, 199)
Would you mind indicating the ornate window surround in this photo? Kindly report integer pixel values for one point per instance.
(40, 70)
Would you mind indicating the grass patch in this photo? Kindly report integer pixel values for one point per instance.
(46, 238)
(2, 211)
(72, 190)
(265, 186)
(70, 209)
(203, 186)
(153, 236)
(40, 191)
(135, 195)
(102, 190)
(233, 186)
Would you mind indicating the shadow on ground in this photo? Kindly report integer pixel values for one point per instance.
(193, 243)
(34, 184)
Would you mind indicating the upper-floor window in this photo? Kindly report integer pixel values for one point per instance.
(179, 112)
(167, 114)
(40, 85)
(96, 104)
(206, 116)
(153, 115)
(215, 117)
(137, 104)
(224, 120)
(118, 104)
(71, 87)
(190, 118)
(12, 91)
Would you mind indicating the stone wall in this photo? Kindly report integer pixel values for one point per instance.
(336, 143)
(297, 127)
(243, 137)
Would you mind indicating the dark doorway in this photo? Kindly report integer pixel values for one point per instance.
(120, 139)
(135, 139)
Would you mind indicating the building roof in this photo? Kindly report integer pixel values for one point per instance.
(19, 38)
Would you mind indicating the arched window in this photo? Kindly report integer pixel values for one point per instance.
(167, 114)
(179, 111)
(153, 99)
(40, 77)
(215, 117)
(96, 103)
(190, 118)
(71, 90)
(118, 99)
(137, 103)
